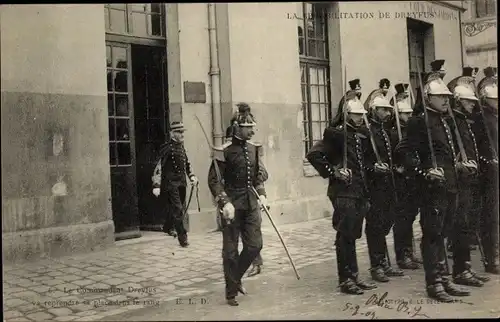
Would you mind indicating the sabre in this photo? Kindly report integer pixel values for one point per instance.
(279, 235)
(398, 124)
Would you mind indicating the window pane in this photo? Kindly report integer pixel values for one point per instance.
(112, 154)
(108, 56)
(316, 131)
(321, 49)
(155, 25)
(118, 21)
(303, 73)
(111, 109)
(120, 57)
(314, 92)
(310, 28)
(122, 130)
(301, 46)
(320, 27)
(121, 82)
(139, 24)
(112, 136)
(322, 94)
(313, 76)
(324, 113)
(315, 112)
(124, 153)
(156, 8)
(321, 76)
(311, 48)
(122, 105)
(110, 81)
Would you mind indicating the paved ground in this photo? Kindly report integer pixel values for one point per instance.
(140, 279)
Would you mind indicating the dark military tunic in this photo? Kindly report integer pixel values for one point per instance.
(173, 169)
(439, 200)
(466, 215)
(240, 166)
(488, 183)
(349, 200)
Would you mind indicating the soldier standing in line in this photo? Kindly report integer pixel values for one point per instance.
(463, 89)
(430, 136)
(381, 187)
(258, 262)
(486, 129)
(406, 186)
(339, 157)
(232, 175)
(169, 182)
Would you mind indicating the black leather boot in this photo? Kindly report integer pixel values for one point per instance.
(350, 287)
(437, 292)
(232, 301)
(390, 271)
(453, 289)
(467, 279)
(256, 269)
(480, 277)
(378, 274)
(407, 263)
(183, 240)
(364, 285)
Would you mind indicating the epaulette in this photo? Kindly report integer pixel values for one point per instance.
(258, 146)
(218, 151)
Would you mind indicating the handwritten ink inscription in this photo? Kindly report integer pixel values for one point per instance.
(354, 309)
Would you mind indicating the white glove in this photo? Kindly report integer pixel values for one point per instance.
(156, 191)
(194, 180)
(228, 211)
(263, 201)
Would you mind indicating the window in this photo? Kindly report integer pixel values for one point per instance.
(416, 53)
(118, 105)
(485, 8)
(142, 20)
(314, 70)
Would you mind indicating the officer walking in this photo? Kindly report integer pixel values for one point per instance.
(406, 186)
(339, 157)
(431, 137)
(231, 176)
(380, 217)
(258, 262)
(463, 89)
(169, 182)
(486, 129)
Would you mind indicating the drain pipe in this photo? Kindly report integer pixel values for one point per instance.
(214, 77)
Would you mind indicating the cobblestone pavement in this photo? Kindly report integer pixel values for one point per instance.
(148, 271)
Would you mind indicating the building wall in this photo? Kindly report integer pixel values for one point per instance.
(376, 47)
(480, 39)
(55, 173)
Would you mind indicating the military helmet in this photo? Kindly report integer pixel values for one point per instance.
(488, 86)
(463, 88)
(436, 86)
(243, 116)
(377, 99)
(353, 104)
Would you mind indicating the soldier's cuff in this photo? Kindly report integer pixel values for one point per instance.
(221, 199)
(261, 192)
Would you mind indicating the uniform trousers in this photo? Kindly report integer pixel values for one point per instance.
(246, 223)
(463, 227)
(489, 222)
(436, 215)
(173, 199)
(406, 211)
(347, 220)
(379, 221)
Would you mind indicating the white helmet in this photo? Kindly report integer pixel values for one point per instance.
(436, 86)
(464, 92)
(404, 106)
(355, 106)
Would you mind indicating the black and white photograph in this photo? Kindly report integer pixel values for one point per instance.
(327, 160)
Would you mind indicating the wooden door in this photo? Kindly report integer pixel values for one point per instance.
(122, 158)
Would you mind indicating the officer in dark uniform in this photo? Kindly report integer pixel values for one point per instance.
(169, 182)
(406, 186)
(486, 129)
(230, 178)
(463, 89)
(381, 186)
(439, 194)
(258, 262)
(347, 187)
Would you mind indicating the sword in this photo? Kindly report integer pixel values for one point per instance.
(279, 235)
